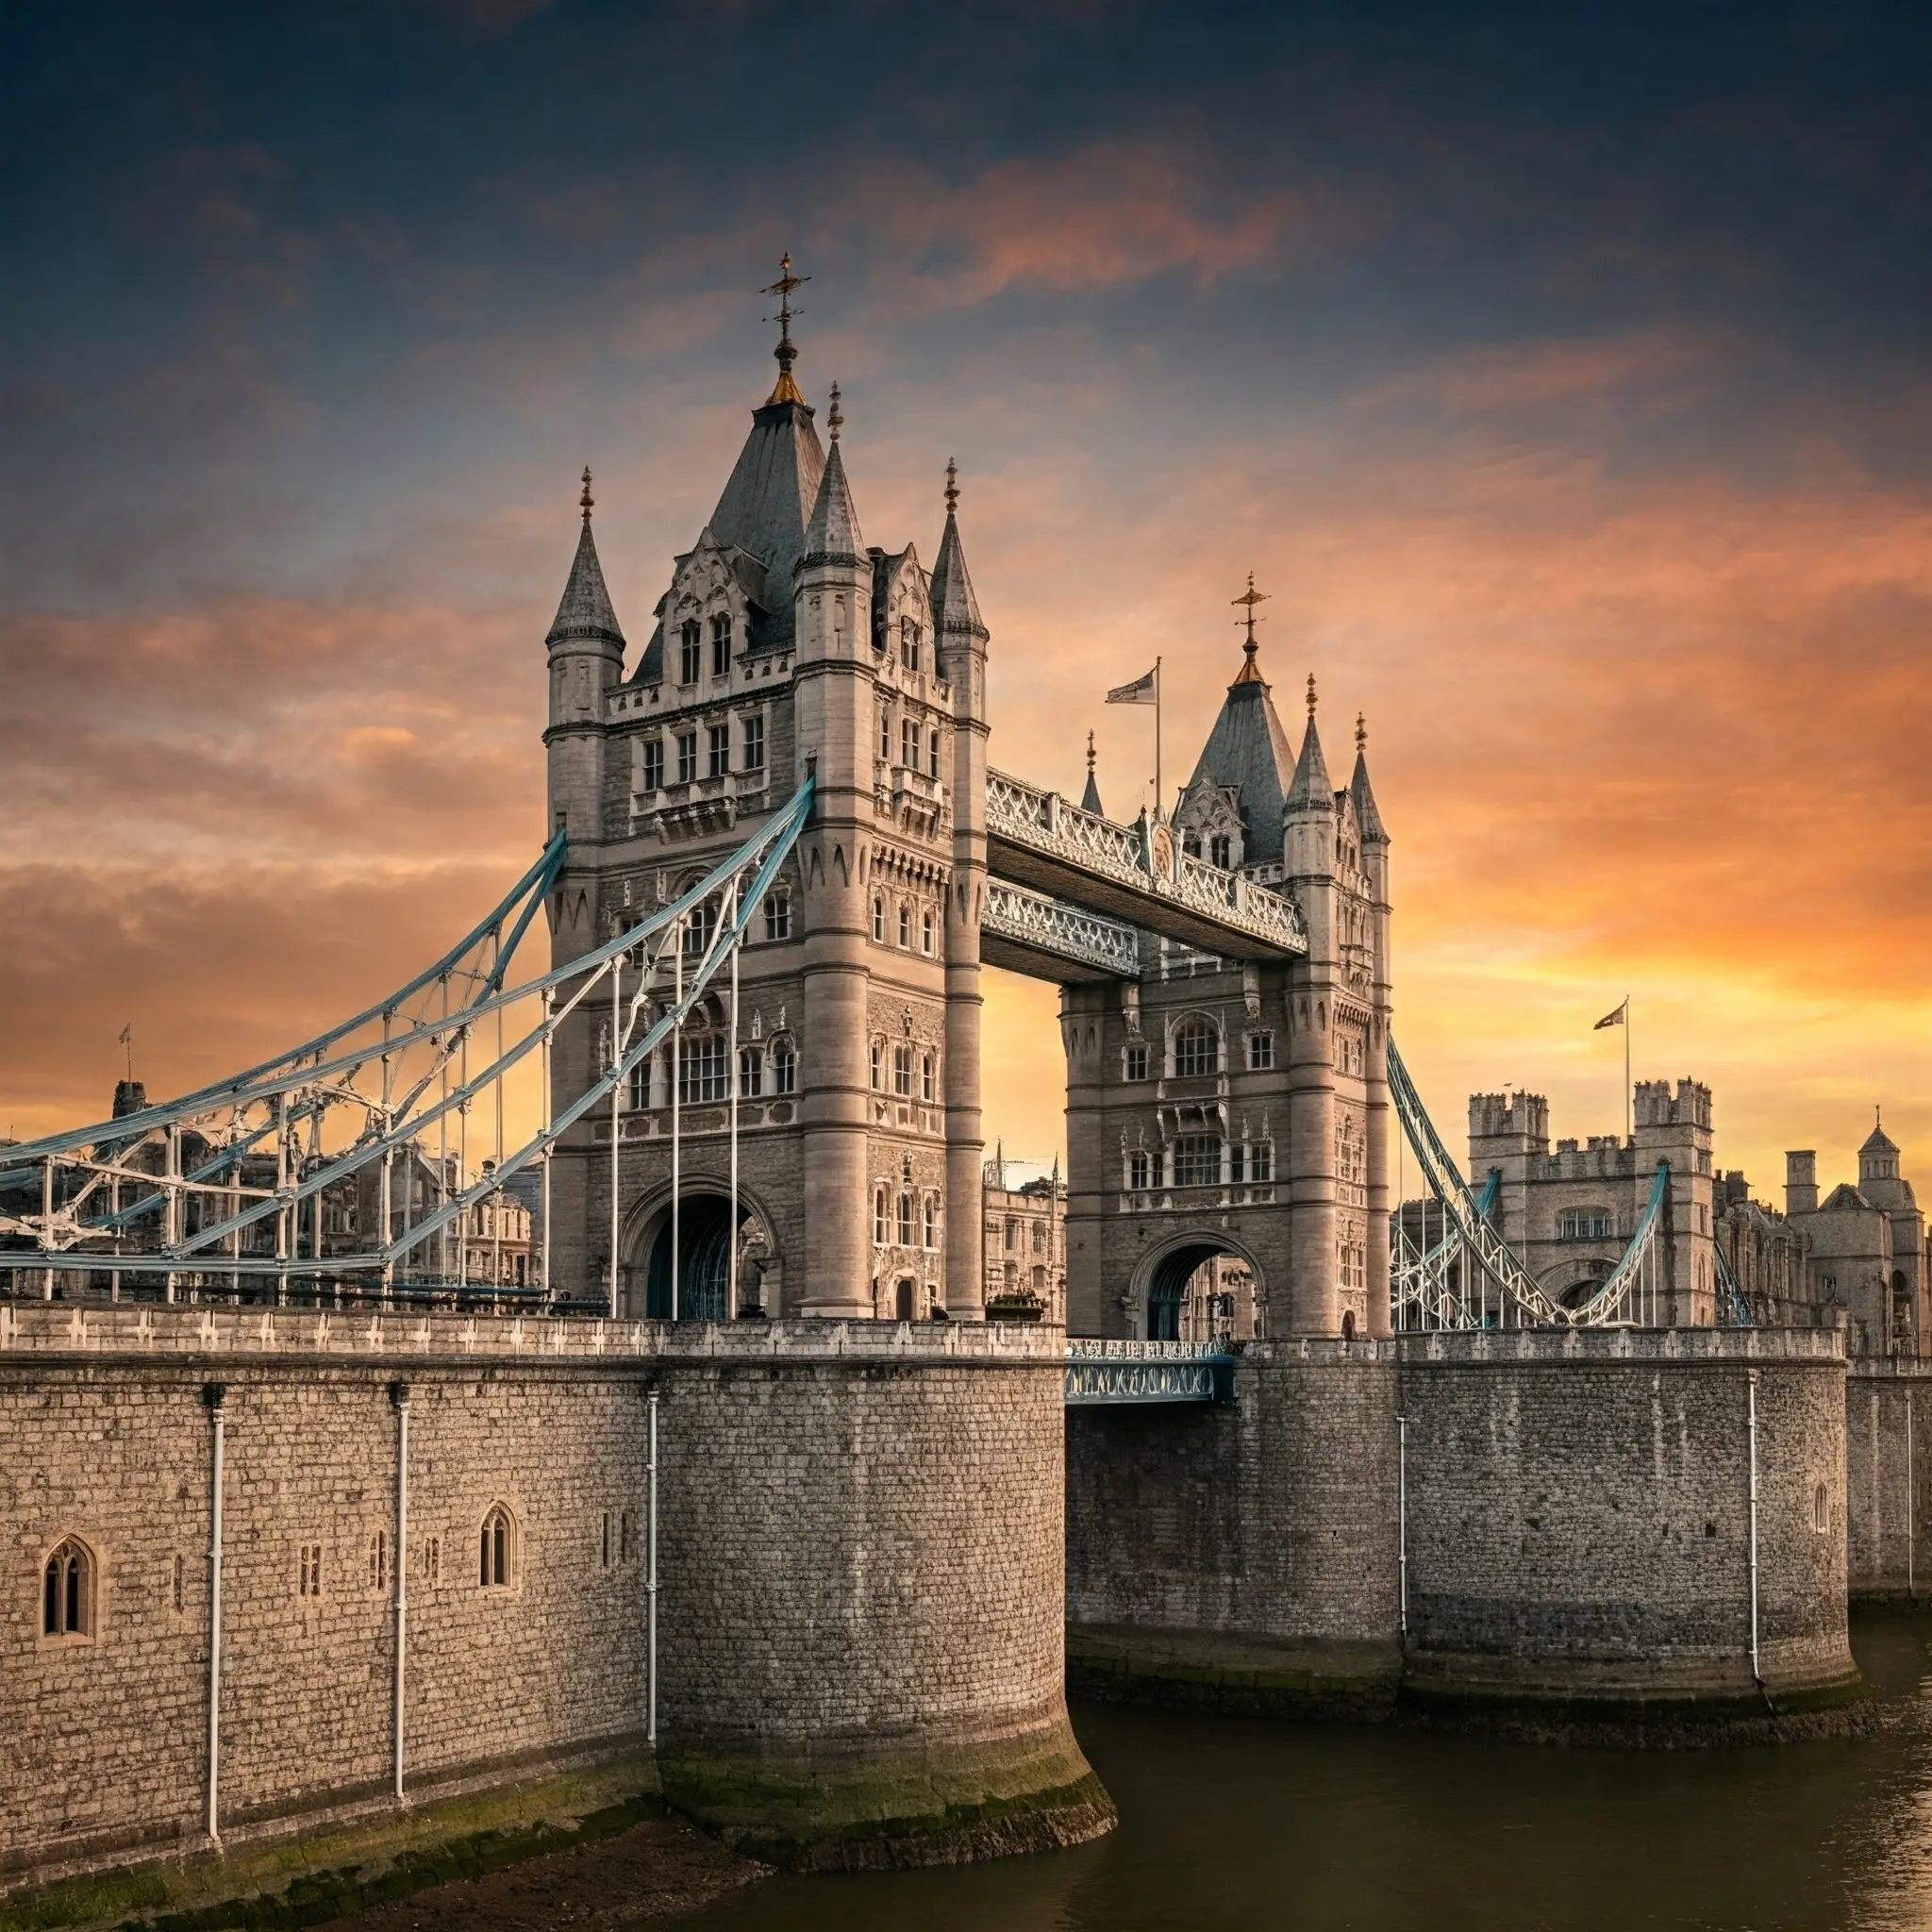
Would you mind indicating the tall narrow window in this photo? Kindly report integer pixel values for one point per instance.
(908, 643)
(308, 1569)
(495, 1549)
(751, 1073)
(879, 920)
(905, 1221)
(1218, 850)
(653, 765)
(1261, 1052)
(779, 916)
(902, 1071)
(700, 923)
(1136, 1067)
(932, 1223)
(927, 1084)
(905, 924)
(1261, 1161)
(67, 1592)
(1138, 1171)
(880, 1232)
(721, 645)
(909, 744)
(378, 1560)
(719, 748)
(784, 1067)
(687, 757)
(877, 1066)
(754, 728)
(181, 1592)
(691, 655)
(606, 1539)
(886, 736)
(925, 932)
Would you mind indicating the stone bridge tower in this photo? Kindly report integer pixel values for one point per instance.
(1218, 1106)
(785, 646)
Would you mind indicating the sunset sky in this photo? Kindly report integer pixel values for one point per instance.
(1568, 387)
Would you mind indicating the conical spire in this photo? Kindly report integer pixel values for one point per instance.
(1374, 832)
(1310, 790)
(832, 536)
(955, 608)
(1247, 751)
(1090, 799)
(586, 610)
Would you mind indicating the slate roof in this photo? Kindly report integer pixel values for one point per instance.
(1879, 1141)
(1090, 799)
(1248, 752)
(1366, 815)
(832, 535)
(585, 611)
(1310, 788)
(765, 506)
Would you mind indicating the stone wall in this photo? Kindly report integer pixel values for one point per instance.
(1888, 1448)
(1241, 1553)
(1579, 1515)
(859, 1644)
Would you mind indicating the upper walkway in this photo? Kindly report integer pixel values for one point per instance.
(1103, 884)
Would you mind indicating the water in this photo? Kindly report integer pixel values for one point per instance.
(1231, 1823)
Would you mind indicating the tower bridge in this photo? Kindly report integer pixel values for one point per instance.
(774, 863)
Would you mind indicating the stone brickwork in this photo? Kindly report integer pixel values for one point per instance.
(860, 1572)
(1887, 1476)
(1242, 1553)
(1579, 1515)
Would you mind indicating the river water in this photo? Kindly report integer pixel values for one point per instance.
(1230, 1824)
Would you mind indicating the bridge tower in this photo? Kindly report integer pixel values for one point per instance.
(785, 647)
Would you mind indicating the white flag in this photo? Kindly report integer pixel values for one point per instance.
(1143, 691)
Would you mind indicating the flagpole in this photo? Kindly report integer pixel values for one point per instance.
(1156, 742)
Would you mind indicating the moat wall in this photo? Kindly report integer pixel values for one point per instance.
(1576, 1528)
(1887, 1480)
(860, 1559)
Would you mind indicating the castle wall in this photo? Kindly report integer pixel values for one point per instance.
(861, 1568)
(1889, 1477)
(1579, 1514)
(1243, 1553)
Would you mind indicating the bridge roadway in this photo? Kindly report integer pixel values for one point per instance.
(1071, 892)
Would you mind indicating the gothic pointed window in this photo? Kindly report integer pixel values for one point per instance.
(721, 645)
(497, 1549)
(886, 736)
(880, 1232)
(928, 1083)
(1196, 1050)
(902, 1071)
(67, 1592)
(905, 1221)
(784, 1067)
(878, 919)
(909, 744)
(925, 933)
(932, 742)
(904, 924)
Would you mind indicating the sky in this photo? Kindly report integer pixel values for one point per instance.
(1565, 382)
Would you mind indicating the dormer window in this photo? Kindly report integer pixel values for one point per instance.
(691, 654)
(721, 645)
(1220, 851)
(908, 643)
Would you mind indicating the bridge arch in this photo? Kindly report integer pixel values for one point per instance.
(704, 1251)
(1160, 1278)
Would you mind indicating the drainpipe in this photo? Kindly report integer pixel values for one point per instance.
(1756, 1674)
(399, 1399)
(212, 1396)
(650, 1586)
(1402, 1517)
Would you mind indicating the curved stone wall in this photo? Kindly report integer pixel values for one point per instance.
(860, 1615)
(1579, 1522)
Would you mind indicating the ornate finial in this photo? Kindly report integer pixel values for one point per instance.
(1361, 732)
(1089, 754)
(952, 486)
(1250, 597)
(785, 390)
(836, 420)
(1311, 698)
(586, 500)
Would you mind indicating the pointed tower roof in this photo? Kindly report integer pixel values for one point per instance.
(586, 610)
(1247, 751)
(1374, 832)
(832, 534)
(769, 497)
(955, 608)
(1879, 1141)
(1310, 790)
(1090, 799)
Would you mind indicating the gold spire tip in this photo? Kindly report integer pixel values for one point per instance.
(1361, 732)
(1311, 698)
(952, 486)
(1089, 752)
(785, 390)
(586, 500)
(836, 420)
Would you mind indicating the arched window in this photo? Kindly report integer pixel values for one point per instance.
(1821, 1509)
(784, 1067)
(721, 645)
(905, 1221)
(878, 1056)
(751, 1071)
(925, 931)
(779, 916)
(881, 1233)
(879, 920)
(905, 924)
(67, 1592)
(932, 1223)
(1196, 1050)
(497, 1549)
(927, 1085)
(700, 923)
(902, 1071)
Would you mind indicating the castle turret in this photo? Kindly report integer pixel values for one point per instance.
(586, 652)
(960, 641)
(1801, 1181)
(1308, 833)
(833, 679)
(1375, 867)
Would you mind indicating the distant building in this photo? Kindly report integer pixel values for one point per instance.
(1026, 1245)
(1867, 1247)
